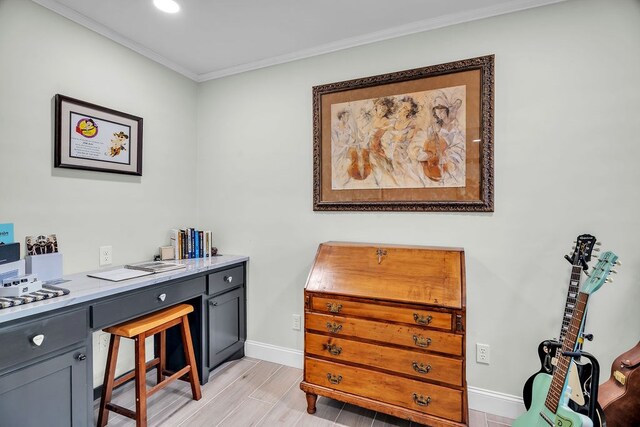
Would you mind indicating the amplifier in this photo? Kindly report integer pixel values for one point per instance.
(9, 252)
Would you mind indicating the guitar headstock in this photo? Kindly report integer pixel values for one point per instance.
(582, 250)
(600, 273)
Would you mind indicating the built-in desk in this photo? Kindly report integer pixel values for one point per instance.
(51, 383)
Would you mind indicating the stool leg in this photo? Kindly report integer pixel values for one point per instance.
(141, 386)
(162, 356)
(109, 376)
(187, 343)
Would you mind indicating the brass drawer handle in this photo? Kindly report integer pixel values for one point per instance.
(333, 349)
(421, 341)
(334, 327)
(422, 320)
(420, 400)
(334, 379)
(334, 307)
(420, 368)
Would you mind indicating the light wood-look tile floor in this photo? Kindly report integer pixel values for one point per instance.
(251, 392)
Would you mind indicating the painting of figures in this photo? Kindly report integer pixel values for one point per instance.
(412, 140)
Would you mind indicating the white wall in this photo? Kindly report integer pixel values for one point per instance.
(42, 54)
(566, 150)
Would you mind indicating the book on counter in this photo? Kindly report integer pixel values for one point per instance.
(154, 266)
(190, 243)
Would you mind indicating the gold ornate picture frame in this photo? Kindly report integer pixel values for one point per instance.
(414, 140)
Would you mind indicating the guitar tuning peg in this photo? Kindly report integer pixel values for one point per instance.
(609, 280)
(614, 272)
(618, 263)
(587, 274)
(598, 244)
(596, 249)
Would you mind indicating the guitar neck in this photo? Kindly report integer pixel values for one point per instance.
(569, 344)
(572, 295)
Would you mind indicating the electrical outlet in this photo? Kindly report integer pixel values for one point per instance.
(106, 255)
(295, 322)
(483, 353)
(104, 341)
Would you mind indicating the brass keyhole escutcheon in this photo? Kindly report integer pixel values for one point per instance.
(421, 341)
(334, 327)
(334, 307)
(381, 252)
(422, 320)
(421, 368)
(333, 379)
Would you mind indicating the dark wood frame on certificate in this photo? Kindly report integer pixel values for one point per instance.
(469, 191)
(95, 138)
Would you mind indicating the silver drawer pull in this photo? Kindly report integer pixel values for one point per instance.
(37, 340)
(228, 279)
(162, 297)
(213, 303)
(81, 357)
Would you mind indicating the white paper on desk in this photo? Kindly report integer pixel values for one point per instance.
(119, 274)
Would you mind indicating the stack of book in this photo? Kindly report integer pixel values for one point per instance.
(190, 243)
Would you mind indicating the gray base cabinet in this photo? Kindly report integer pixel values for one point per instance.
(51, 393)
(227, 325)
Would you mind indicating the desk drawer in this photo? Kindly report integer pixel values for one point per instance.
(419, 396)
(416, 338)
(221, 281)
(418, 364)
(151, 299)
(59, 331)
(413, 316)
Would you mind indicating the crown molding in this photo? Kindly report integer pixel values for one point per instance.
(89, 23)
(403, 30)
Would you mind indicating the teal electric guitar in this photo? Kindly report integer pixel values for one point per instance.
(549, 402)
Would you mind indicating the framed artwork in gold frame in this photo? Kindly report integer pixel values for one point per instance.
(414, 140)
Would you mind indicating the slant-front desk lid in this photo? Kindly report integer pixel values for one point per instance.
(424, 275)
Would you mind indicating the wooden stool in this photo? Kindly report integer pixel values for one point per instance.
(139, 329)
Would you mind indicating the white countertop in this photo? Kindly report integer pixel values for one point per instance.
(84, 288)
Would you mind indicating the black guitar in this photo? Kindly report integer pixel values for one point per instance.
(579, 401)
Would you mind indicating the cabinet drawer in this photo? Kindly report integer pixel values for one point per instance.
(151, 299)
(421, 365)
(221, 281)
(409, 336)
(422, 317)
(59, 331)
(416, 395)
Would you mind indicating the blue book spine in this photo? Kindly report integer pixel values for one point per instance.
(197, 245)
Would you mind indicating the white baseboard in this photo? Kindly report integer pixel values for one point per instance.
(273, 353)
(493, 402)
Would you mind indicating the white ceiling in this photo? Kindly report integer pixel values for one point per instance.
(208, 39)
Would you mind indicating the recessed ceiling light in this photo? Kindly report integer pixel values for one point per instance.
(168, 6)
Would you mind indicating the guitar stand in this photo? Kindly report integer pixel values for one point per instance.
(595, 380)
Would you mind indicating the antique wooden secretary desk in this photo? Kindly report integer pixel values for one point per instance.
(385, 330)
